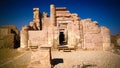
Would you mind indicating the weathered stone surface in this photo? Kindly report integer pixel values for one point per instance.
(93, 41)
(24, 37)
(106, 38)
(37, 38)
(45, 15)
(52, 15)
(37, 18)
(33, 25)
(40, 59)
(9, 36)
(46, 23)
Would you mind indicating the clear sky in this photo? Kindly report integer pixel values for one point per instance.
(20, 13)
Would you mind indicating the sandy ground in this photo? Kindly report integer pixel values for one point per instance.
(86, 59)
(20, 61)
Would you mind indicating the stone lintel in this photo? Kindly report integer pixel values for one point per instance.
(61, 9)
(63, 15)
(64, 11)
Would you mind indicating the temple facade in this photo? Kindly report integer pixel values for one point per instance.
(63, 28)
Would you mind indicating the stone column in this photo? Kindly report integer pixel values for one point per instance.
(36, 17)
(24, 37)
(51, 26)
(52, 15)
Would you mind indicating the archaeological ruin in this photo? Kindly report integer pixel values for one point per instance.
(63, 28)
(9, 36)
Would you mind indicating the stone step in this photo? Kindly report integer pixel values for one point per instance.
(67, 50)
(33, 47)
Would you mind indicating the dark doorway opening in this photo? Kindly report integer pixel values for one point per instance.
(61, 38)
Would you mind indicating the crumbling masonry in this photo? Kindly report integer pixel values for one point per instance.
(64, 28)
(9, 36)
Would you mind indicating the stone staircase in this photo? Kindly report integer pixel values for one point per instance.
(66, 48)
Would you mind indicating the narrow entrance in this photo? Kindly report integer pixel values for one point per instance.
(61, 38)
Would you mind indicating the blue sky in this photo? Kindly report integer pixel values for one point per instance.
(20, 13)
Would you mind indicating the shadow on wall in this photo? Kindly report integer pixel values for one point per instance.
(17, 43)
(56, 61)
(16, 39)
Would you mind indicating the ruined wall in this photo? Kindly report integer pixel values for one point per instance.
(9, 37)
(92, 36)
(95, 37)
(52, 25)
(37, 18)
(71, 35)
(45, 23)
(24, 37)
(37, 38)
(56, 38)
(106, 38)
(85, 34)
(76, 30)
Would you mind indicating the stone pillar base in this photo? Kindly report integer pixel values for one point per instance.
(40, 59)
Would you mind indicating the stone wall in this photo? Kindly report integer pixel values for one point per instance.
(24, 37)
(83, 33)
(106, 38)
(37, 38)
(45, 23)
(9, 37)
(95, 37)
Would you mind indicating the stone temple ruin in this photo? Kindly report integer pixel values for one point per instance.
(63, 28)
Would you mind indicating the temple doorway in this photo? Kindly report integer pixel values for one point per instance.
(62, 39)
